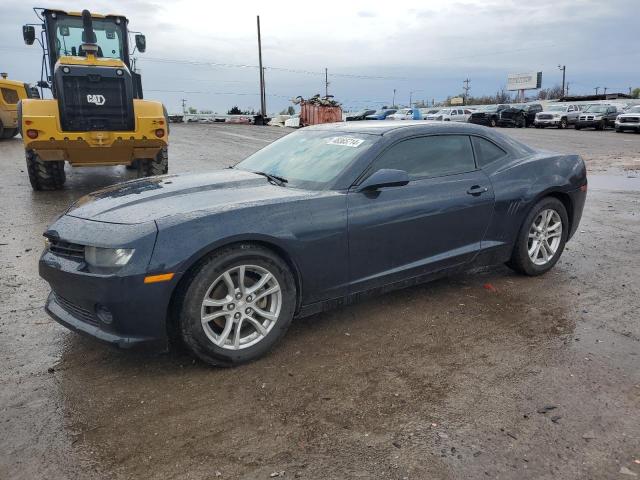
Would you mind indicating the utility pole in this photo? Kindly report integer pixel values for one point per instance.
(184, 106)
(564, 71)
(410, 97)
(596, 89)
(263, 100)
(567, 89)
(393, 104)
(605, 90)
(466, 89)
(326, 83)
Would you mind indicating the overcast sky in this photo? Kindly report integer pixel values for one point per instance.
(196, 49)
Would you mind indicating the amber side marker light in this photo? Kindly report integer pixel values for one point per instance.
(164, 277)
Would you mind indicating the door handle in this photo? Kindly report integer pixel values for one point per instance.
(477, 190)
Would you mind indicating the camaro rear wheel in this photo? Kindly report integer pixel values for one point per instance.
(541, 238)
(238, 304)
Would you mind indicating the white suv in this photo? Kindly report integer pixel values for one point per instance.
(558, 115)
(451, 115)
(629, 120)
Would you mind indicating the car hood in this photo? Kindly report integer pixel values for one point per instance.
(153, 198)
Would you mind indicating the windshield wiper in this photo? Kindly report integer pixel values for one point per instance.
(280, 181)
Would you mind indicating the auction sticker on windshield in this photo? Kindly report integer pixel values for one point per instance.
(346, 141)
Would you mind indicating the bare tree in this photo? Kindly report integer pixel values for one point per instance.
(550, 93)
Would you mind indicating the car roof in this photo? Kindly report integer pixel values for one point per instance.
(382, 127)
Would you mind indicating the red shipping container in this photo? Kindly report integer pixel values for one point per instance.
(312, 114)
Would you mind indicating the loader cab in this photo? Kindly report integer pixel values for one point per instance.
(63, 35)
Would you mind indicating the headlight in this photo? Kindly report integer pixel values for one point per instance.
(556, 115)
(107, 257)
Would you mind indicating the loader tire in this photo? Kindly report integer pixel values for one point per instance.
(45, 175)
(157, 166)
(133, 165)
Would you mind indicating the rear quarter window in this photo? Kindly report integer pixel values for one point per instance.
(486, 151)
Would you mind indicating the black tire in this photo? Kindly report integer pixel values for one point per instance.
(157, 166)
(523, 122)
(602, 125)
(190, 299)
(619, 130)
(45, 175)
(133, 165)
(538, 126)
(493, 122)
(520, 260)
(6, 133)
(563, 124)
(578, 127)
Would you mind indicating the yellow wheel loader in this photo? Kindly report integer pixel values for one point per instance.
(11, 92)
(97, 116)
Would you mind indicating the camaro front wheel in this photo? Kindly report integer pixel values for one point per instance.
(238, 304)
(541, 238)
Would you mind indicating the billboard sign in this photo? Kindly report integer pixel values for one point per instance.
(524, 81)
(456, 101)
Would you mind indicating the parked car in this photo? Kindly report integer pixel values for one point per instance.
(451, 115)
(381, 114)
(224, 260)
(598, 116)
(488, 115)
(558, 115)
(629, 120)
(402, 114)
(361, 115)
(428, 111)
(519, 115)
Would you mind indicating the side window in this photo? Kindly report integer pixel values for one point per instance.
(10, 96)
(486, 151)
(432, 156)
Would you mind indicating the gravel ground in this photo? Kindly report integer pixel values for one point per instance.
(482, 375)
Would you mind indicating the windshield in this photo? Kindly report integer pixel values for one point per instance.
(446, 111)
(403, 111)
(596, 109)
(309, 159)
(109, 36)
(489, 108)
(556, 108)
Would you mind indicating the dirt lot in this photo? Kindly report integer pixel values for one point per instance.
(482, 375)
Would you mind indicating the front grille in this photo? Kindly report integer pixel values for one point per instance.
(78, 312)
(64, 249)
(586, 118)
(630, 120)
(93, 102)
(544, 116)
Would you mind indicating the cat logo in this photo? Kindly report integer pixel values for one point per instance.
(96, 99)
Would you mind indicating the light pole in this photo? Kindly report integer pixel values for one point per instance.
(564, 70)
(411, 92)
(393, 103)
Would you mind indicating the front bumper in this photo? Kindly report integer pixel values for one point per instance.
(80, 296)
(547, 123)
(628, 126)
(480, 121)
(589, 123)
(138, 310)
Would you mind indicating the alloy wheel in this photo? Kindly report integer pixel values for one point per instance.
(241, 307)
(545, 235)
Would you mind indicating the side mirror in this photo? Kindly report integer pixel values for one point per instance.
(29, 34)
(141, 42)
(386, 177)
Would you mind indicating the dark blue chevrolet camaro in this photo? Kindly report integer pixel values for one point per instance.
(224, 260)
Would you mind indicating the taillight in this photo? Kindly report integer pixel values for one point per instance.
(32, 133)
(160, 133)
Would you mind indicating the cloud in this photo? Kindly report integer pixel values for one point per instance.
(416, 45)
